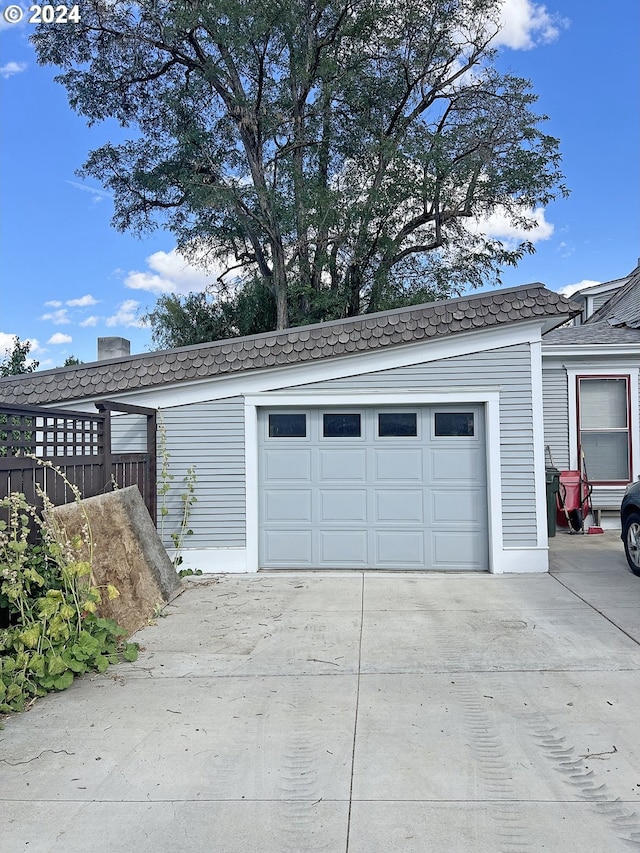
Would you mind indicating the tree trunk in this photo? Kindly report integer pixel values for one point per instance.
(280, 287)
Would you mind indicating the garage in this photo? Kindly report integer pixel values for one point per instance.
(390, 488)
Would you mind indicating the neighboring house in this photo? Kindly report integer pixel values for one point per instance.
(408, 439)
(591, 390)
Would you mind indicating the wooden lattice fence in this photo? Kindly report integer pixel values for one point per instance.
(79, 445)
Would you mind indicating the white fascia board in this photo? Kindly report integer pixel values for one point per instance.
(304, 373)
(550, 351)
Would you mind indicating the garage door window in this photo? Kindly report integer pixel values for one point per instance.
(288, 426)
(454, 424)
(339, 425)
(397, 424)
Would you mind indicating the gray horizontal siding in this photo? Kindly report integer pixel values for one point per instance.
(607, 497)
(209, 436)
(510, 369)
(128, 433)
(556, 415)
(599, 300)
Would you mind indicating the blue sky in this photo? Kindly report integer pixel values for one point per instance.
(69, 277)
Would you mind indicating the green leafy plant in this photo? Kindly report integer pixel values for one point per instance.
(185, 573)
(187, 496)
(48, 589)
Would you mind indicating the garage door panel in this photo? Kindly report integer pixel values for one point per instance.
(405, 465)
(399, 505)
(344, 505)
(288, 547)
(287, 505)
(343, 465)
(459, 463)
(287, 465)
(457, 508)
(399, 551)
(344, 547)
(464, 550)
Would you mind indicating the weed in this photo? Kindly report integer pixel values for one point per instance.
(49, 592)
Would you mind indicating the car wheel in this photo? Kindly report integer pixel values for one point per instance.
(631, 538)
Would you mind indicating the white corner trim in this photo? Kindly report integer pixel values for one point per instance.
(621, 368)
(539, 461)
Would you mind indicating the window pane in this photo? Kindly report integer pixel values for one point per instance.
(606, 455)
(287, 426)
(603, 403)
(454, 423)
(341, 426)
(397, 423)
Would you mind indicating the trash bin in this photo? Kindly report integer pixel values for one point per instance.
(553, 486)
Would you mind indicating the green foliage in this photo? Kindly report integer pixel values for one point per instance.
(71, 360)
(15, 361)
(187, 573)
(341, 153)
(187, 497)
(48, 591)
(179, 321)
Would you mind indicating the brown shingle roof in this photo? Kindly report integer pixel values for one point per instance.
(292, 346)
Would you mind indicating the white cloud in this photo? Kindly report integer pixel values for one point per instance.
(500, 226)
(171, 273)
(126, 315)
(570, 289)
(525, 24)
(82, 302)
(6, 345)
(97, 195)
(60, 318)
(60, 338)
(10, 68)
(90, 321)
(54, 303)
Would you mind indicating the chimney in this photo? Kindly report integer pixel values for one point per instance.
(113, 348)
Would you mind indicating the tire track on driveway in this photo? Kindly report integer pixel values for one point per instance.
(491, 758)
(580, 777)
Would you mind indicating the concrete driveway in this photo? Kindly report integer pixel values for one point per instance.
(359, 713)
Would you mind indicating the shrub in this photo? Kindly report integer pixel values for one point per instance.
(48, 590)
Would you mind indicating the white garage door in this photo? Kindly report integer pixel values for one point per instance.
(373, 488)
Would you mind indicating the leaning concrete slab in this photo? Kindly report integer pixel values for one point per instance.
(127, 552)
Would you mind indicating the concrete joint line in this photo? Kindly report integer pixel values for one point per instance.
(355, 720)
(604, 616)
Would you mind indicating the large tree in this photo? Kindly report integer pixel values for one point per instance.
(339, 151)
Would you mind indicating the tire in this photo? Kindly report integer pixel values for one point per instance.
(631, 539)
(576, 520)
